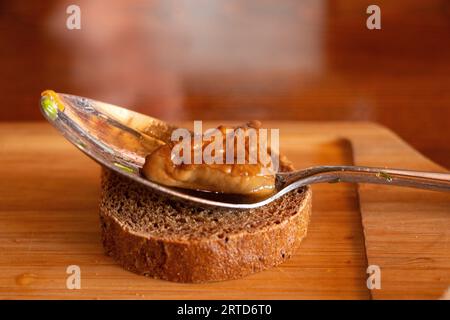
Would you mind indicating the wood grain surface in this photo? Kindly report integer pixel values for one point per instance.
(256, 59)
(49, 220)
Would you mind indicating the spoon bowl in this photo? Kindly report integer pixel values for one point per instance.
(119, 139)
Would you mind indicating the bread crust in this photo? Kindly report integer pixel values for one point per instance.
(205, 259)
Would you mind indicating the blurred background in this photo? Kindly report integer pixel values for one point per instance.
(238, 60)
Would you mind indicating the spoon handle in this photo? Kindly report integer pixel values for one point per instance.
(359, 174)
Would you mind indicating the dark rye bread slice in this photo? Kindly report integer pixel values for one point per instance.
(152, 235)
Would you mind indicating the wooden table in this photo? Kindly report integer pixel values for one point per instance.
(49, 220)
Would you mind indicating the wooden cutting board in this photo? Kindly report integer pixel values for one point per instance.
(49, 220)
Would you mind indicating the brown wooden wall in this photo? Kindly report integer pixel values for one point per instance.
(229, 59)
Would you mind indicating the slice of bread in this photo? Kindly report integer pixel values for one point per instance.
(159, 237)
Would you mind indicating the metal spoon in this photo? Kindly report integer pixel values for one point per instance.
(119, 139)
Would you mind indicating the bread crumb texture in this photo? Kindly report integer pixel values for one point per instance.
(153, 235)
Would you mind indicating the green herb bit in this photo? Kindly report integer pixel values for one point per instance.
(124, 167)
(81, 145)
(49, 107)
(384, 175)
